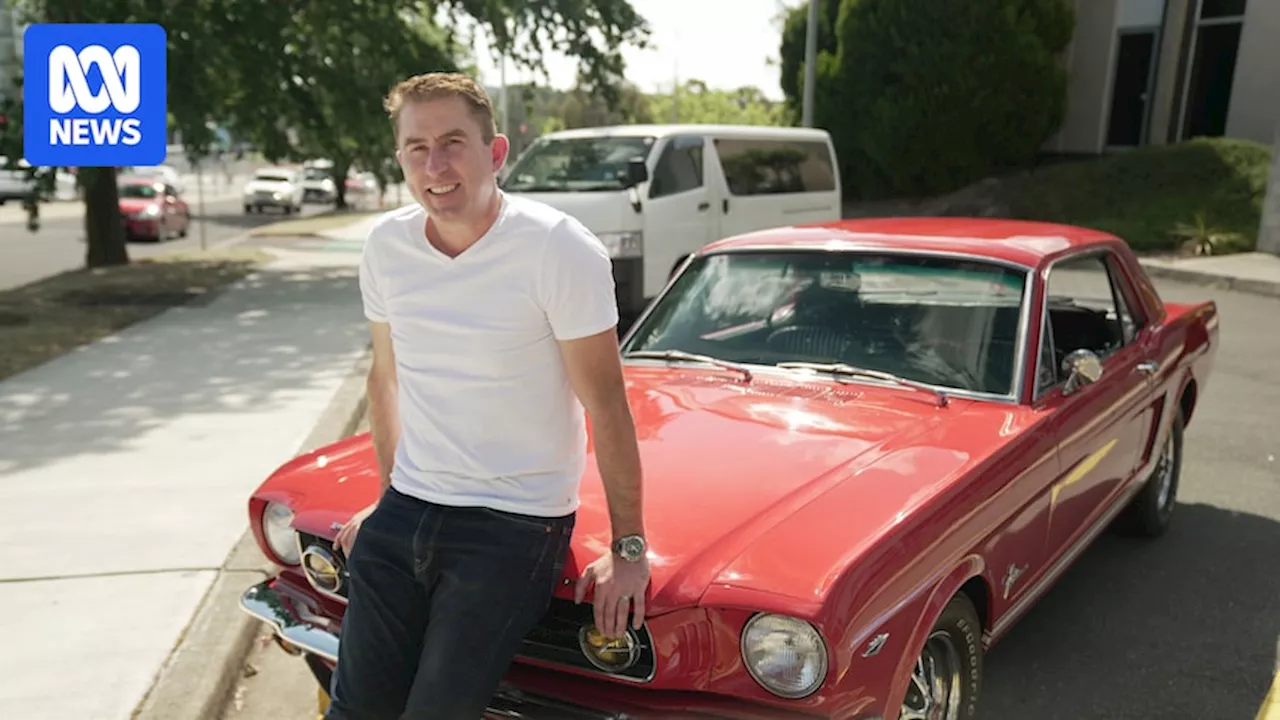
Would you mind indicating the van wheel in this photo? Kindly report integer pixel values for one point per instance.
(947, 676)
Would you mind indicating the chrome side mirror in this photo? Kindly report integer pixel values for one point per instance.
(1082, 367)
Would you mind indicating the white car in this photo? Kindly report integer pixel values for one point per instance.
(318, 186)
(273, 187)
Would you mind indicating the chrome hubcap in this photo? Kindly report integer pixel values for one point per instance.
(935, 690)
(1164, 475)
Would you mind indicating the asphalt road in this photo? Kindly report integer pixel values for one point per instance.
(59, 246)
(1181, 628)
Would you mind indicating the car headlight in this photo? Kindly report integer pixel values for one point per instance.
(612, 656)
(623, 245)
(786, 656)
(277, 528)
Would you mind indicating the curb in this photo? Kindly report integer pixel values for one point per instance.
(1266, 288)
(204, 666)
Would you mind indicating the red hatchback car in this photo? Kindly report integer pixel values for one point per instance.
(152, 210)
(869, 447)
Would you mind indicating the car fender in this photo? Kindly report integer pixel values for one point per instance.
(969, 567)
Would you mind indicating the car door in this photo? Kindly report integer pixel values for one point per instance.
(678, 212)
(1100, 426)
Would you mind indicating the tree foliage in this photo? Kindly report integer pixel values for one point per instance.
(925, 96)
(694, 102)
(305, 80)
(791, 55)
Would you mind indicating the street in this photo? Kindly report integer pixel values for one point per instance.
(1184, 627)
(58, 245)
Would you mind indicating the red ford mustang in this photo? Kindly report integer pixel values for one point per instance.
(869, 447)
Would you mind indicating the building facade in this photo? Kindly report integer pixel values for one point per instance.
(1152, 72)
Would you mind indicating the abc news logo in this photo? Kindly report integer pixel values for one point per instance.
(69, 90)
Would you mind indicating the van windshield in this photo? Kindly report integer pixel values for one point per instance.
(576, 164)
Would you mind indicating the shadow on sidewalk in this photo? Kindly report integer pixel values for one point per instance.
(254, 349)
(1185, 626)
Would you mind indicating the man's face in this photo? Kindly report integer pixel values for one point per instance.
(446, 163)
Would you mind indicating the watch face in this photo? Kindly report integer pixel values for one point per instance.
(631, 548)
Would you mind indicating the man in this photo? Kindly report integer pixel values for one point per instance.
(494, 326)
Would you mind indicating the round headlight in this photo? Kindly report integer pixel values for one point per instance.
(612, 656)
(277, 528)
(785, 655)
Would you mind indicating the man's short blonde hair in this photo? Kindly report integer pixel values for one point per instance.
(436, 85)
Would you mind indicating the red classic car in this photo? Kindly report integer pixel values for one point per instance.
(152, 210)
(869, 447)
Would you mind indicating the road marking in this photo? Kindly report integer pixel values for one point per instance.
(1271, 705)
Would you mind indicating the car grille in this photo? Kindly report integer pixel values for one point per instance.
(553, 640)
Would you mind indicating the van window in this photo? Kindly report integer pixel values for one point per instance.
(576, 164)
(679, 168)
(768, 167)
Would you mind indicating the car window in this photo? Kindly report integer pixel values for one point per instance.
(137, 190)
(768, 167)
(949, 322)
(679, 168)
(1085, 309)
(579, 164)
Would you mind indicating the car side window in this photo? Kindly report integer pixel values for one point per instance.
(679, 168)
(754, 166)
(1085, 309)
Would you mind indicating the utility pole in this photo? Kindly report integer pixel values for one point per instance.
(810, 63)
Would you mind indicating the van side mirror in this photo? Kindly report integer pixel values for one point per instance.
(637, 172)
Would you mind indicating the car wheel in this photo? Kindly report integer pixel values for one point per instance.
(947, 676)
(1151, 511)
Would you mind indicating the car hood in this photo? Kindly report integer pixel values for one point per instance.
(725, 464)
(135, 205)
(268, 185)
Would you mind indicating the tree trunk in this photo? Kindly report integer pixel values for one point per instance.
(103, 227)
(339, 172)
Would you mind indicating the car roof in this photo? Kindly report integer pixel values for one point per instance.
(663, 130)
(1021, 242)
(139, 180)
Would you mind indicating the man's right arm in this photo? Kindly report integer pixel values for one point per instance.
(382, 388)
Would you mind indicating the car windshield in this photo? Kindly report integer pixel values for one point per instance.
(942, 321)
(315, 174)
(138, 190)
(576, 164)
(271, 177)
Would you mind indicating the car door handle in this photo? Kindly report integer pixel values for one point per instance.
(703, 205)
(1148, 367)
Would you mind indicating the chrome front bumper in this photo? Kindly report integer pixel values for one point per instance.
(289, 622)
(286, 618)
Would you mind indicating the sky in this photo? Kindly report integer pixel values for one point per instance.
(725, 43)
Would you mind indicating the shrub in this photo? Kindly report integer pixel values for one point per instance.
(926, 96)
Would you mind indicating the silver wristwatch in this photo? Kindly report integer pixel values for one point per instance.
(630, 548)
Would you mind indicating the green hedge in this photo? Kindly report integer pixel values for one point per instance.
(926, 96)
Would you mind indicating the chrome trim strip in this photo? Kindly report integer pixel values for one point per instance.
(1059, 566)
(275, 609)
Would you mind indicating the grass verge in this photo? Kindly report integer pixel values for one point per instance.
(50, 317)
(314, 224)
(1156, 197)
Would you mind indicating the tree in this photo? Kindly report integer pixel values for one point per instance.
(700, 104)
(926, 96)
(795, 30)
(307, 80)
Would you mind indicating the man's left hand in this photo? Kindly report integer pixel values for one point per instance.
(620, 587)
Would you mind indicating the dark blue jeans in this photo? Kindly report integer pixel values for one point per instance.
(440, 600)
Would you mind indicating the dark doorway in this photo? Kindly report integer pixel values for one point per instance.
(1213, 69)
(1131, 89)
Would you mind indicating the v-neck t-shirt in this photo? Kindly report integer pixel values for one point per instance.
(487, 415)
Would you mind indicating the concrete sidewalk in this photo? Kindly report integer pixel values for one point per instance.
(1253, 272)
(125, 469)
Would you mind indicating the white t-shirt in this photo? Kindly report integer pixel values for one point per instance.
(487, 415)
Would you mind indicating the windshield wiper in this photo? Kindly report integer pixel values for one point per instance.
(850, 370)
(691, 357)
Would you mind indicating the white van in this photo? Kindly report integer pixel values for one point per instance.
(656, 193)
